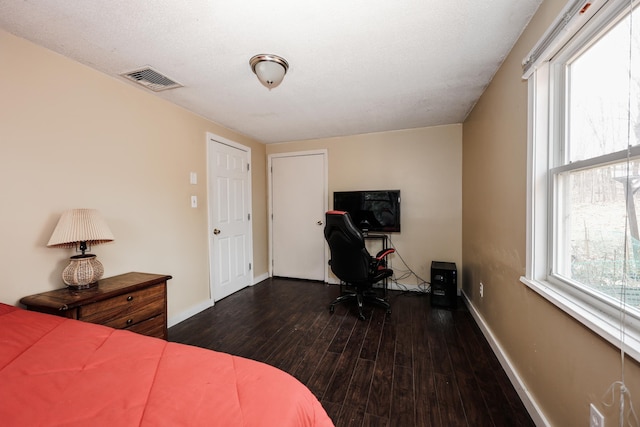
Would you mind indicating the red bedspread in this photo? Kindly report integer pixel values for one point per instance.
(56, 371)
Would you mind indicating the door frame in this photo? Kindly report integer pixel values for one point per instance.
(213, 138)
(325, 161)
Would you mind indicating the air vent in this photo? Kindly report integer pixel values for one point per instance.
(151, 79)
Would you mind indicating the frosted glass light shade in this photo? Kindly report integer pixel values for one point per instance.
(270, 69)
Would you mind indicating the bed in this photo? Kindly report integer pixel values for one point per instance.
(58, 371)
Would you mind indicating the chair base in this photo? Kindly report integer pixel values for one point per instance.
(360, 298)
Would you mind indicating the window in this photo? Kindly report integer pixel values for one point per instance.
(584, 164)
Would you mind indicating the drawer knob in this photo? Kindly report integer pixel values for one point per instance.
(129, 321)
(129, 298)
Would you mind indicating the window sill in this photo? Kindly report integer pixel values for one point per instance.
(595, 315)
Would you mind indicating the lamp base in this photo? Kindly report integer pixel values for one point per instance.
(81, 287)
(83, 272)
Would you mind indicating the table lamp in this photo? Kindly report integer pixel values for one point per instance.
(81, 228)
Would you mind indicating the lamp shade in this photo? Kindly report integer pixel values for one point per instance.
(270, 69)
(80, 225)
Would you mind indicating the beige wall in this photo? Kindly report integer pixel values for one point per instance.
(425, 164)
(73, 137)
(564, 365)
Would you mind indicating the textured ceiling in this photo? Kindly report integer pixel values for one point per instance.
(356, 66)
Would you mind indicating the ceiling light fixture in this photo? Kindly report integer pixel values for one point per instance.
(270, 69)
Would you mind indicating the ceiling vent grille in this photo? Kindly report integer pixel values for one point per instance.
(151, 79)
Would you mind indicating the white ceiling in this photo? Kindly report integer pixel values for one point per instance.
(356, 66)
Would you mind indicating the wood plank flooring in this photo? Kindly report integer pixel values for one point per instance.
(418, 366)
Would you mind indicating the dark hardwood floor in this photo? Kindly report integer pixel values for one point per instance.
(418, 366)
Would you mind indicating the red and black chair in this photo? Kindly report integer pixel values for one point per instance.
(352, 263)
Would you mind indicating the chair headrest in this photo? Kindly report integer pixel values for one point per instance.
(341, 220)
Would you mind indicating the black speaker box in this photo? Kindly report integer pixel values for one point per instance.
(444, 284)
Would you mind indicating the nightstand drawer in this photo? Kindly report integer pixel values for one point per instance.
(127, 309)
(153, 327)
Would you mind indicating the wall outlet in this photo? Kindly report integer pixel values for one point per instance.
(595, 417)
(194, 201)
(481, 290)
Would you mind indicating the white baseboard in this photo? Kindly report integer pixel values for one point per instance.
(532, 407)
(404, 287)
(391, 286)
(260, 278)
(192, 311)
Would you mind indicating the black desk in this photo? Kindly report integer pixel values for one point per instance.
(384, 243)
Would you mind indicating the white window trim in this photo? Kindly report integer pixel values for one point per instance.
(604, 316)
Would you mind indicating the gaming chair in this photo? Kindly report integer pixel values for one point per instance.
(352, 263)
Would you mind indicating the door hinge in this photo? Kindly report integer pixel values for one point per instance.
(248, 167)
(249, 217)
(249, 266)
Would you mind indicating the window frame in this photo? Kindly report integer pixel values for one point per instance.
(545, 71)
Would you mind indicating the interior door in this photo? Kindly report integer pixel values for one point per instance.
(229, 217)
(298, 204)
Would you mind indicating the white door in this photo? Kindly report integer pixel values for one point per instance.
(298, 205)
(230, 233)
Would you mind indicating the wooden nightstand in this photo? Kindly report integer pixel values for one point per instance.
(133, 301)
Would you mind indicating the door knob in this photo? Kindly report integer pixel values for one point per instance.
(216, 231)
(319, 222)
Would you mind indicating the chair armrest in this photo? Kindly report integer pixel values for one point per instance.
(383, 253)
